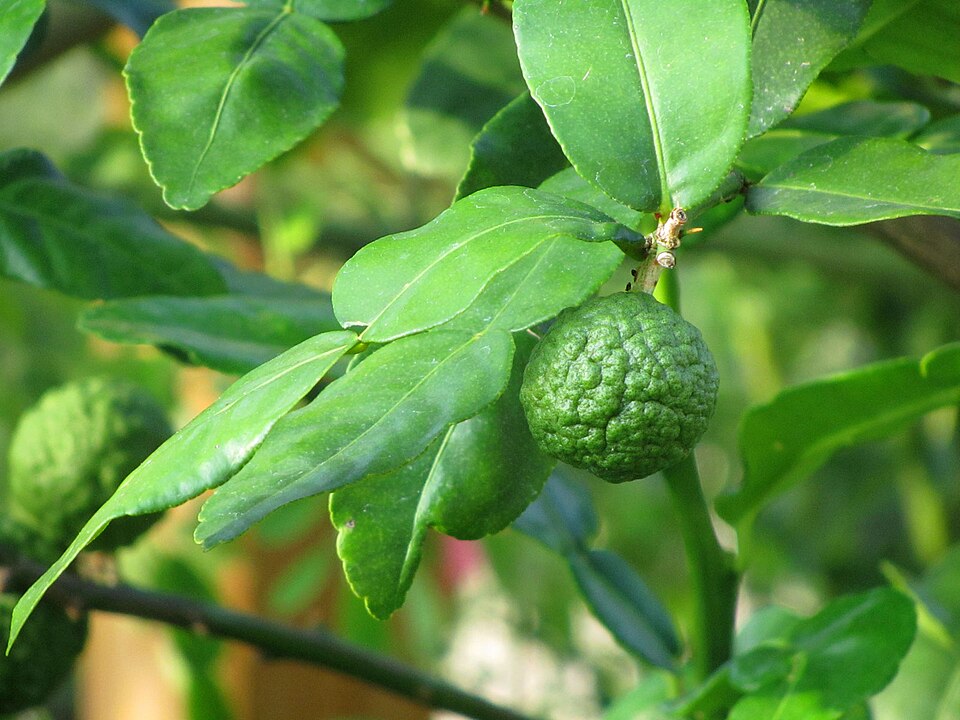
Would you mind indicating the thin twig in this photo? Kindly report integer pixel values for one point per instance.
(274, 640)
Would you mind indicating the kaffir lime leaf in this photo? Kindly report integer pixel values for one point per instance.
(42, 656)
(71, 451)
(621, 386)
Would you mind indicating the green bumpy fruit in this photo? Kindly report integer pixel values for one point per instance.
(71, 451)
(621, 386)
(42, 657)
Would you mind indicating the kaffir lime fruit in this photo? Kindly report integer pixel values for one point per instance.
(621, 386)
(42, 656)
(71, 451)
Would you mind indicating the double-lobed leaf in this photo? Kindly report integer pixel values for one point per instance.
(836, 412)
(651, 104)
(379, 416)
(792, 43)
(16, 23)
(472, 481)
(208, 450)
(827, 664)
(58, 236)
(412, 281)
(259, 81)
(229, 333)
(856, 180)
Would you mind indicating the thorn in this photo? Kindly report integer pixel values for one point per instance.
(693, 230)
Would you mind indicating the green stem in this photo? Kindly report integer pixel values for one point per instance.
(712, 571)
(274, 640)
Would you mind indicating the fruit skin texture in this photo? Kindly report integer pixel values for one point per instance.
(621, 386)
(41, 658)
(71, 451)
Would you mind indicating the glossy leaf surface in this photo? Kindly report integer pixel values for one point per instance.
(469, 72)
(415, 280)
(473, 481)
(16, 23)
(259, 82)
(514, 148)
(374, 419)
(229, 333)
(651, 104)
(828, 663)
(792, 43)
(58, 236)
(218, 442)
(796, 135)
(864, 404)
(857, 180)
(329, 10)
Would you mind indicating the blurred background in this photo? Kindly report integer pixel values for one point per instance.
(778, 302)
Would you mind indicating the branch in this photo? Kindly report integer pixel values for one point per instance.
(317, 647)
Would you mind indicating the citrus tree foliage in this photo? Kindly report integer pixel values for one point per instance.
(582, 126)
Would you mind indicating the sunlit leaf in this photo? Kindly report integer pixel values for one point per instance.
(651, 104)
(329, 10)
(218, 442)
(792, 43)
(259, 82)
(16, 23)
(379, 416)
(58, 236)
(415, 280)
(871, 402)
(857, 180)
(471, 482)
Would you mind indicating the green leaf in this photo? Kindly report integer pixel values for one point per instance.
(415, 280)
(941, 137)
(514, 148)
(259, 82)
(16, 24)
(374, 419)
(329, 10)
(923, 42)
(569, 184)
(829, 663)
(620, 599)
(138, 15)
(868, 403)
(473, 481)
(792, 43)
(469, 72)
(58, 236)
(562, 518)
(651, 103)
(857, 180)
(229, 333)
(864, 117)
(218, 442)
(798, 134)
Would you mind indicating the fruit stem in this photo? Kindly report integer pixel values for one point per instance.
(712, 570)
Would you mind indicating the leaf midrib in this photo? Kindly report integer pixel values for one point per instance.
(776, 185)
(658, 147)
(225, 93)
